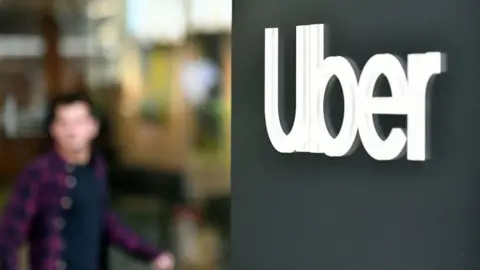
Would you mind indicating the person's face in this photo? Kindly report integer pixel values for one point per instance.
(74, 127)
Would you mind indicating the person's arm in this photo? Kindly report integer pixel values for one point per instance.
(17, 218)
(121, 236)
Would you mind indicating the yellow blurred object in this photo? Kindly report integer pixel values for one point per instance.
(150, 145)
(159, 86)
(209, 244)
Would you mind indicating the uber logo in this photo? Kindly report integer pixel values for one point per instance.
(311, 133)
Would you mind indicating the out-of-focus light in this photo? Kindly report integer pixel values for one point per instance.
(108, 35)
(210, 16)
(198, 78)
(24, 46)
(157, 21)
(101, 9)
(10, 120)
(32, 46)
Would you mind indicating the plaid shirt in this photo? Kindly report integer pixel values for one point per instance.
(35, 209)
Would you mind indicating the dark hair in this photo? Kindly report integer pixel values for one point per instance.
(63, 100)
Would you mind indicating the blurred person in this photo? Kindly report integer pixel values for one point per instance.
(59, 205)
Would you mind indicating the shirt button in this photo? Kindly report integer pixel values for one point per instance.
(71, 181)
(66, 203)
(60, 265)
(60, 223)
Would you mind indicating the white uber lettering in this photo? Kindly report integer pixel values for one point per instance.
(311, 130)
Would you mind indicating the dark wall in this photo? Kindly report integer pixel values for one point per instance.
(311, 212)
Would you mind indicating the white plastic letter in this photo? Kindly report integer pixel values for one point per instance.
(393, 146)
(296, 138)
(421, 69)
(340, 67)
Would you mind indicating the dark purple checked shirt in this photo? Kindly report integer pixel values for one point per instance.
(35, 209)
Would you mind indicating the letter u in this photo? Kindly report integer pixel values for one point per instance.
(297, 138)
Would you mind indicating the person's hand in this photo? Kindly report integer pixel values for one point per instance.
(164, 261)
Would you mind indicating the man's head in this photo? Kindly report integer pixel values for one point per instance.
(72, 124)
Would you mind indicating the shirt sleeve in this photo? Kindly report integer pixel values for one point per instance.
(123, 237)
(17, 218)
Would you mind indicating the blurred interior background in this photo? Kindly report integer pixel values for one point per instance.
(159, 73)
